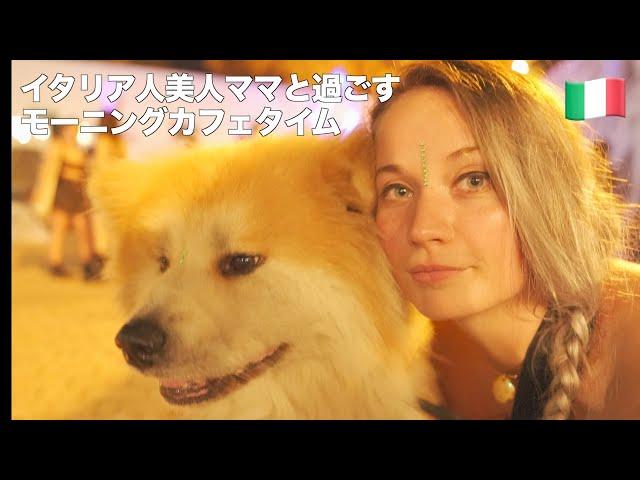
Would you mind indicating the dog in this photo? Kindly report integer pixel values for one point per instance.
(255, 285)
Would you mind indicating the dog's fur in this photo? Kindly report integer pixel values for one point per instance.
(325, 288)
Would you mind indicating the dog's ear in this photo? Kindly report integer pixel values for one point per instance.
(350, 172)
(115, 191)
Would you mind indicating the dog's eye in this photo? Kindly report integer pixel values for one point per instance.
(353, 208)
(164, 263)
(239, 264)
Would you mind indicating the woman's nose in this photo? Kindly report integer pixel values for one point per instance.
(433, 217)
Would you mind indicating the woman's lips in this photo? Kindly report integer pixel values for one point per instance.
(434, 274)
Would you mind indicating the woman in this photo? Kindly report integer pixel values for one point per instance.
(498, 218)
(60, 192)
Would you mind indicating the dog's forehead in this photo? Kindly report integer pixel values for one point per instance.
(217, 225)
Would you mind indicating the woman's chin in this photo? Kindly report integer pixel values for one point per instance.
(442, 308)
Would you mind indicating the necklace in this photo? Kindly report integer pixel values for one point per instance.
(503, 388)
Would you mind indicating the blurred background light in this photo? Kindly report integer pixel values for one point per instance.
(520, 66)
(20, 131)
(85, 139)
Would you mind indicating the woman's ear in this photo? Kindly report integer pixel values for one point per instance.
(350, 172)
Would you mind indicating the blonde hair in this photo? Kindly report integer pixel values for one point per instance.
(557, 187)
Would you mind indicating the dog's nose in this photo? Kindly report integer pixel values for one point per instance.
(142, 342)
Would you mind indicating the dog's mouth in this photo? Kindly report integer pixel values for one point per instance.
(186, 392)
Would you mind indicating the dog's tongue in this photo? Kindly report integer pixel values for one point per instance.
(181, 383)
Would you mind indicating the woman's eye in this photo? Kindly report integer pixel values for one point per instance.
(239, 264)
(475, 181)
(164, 263)
(396, 191)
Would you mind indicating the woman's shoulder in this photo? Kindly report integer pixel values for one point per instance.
(610, 388)
(625, 319)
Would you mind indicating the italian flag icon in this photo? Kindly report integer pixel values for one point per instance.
(603, 97)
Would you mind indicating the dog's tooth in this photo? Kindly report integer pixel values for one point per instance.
(172, 383)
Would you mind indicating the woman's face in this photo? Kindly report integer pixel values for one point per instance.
(450, 243)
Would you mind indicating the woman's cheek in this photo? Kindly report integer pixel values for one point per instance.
(391, 231)
(504, 263)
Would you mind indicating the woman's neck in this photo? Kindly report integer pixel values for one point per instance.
(504, 332)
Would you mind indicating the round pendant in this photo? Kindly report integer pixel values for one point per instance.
(503, 388)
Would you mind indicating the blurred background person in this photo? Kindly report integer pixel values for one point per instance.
(59, 193)
(108, 147)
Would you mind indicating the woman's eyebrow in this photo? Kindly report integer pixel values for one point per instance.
(461, 152)
(393, 168)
